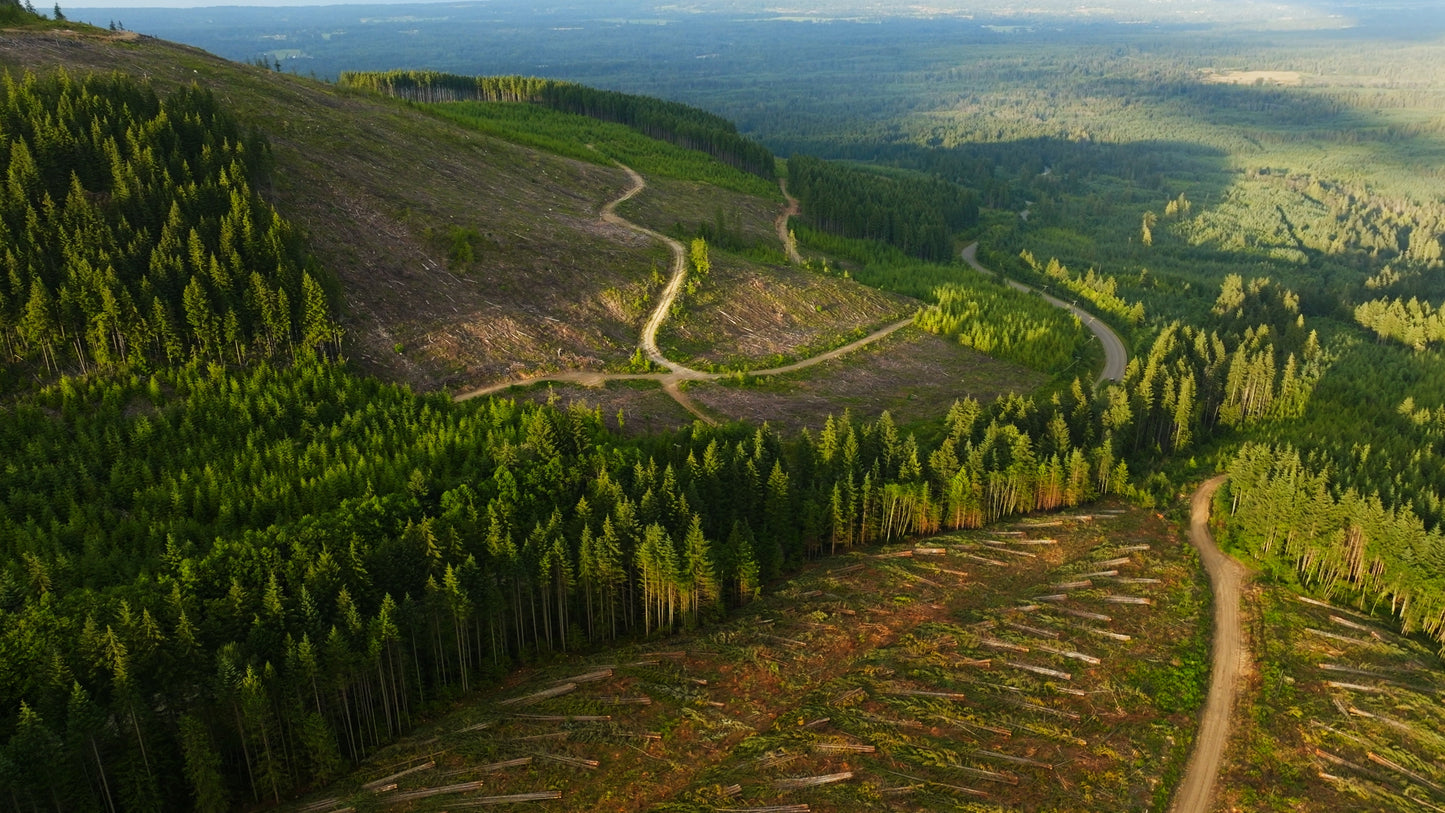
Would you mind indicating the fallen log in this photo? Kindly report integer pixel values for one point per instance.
(1039, 670)
(844, 747)
(537, 697)
(374, 784)
(793, 783)
(512, 798)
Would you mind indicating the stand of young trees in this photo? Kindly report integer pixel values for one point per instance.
(1100, 289)
(1345, 543)
(1413, 323)
(916, 214)
(1002, 322)
(131, 232)
(674, 122)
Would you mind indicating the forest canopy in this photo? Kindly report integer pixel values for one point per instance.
(132, 233)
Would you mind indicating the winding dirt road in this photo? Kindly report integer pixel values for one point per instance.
(677, 373)
(1116, 357)
(1229, 654)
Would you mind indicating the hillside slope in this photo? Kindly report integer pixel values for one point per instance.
(462, 258)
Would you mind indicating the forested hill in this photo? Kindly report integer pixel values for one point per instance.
(133, 235)
(674, 122)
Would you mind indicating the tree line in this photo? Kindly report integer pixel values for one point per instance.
(132, 232)
(1413, 323)
(686, 126)
(254, 578)
(914, 213)
(1350, 545)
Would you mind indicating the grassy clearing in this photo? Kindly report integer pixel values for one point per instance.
(926, 676)
(1341, 713)
(913, 375)
(588, 139)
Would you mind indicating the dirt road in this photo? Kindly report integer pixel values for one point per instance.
(1116, 357)
(1229, 654)
(674, 283)
(790, 246)
(677, 373)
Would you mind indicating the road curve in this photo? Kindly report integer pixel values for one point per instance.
(1116, 356)
(674, 282)
(1229, 654)
(671, 380)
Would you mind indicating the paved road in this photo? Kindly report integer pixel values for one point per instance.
(1116, 357)
(1230, 654)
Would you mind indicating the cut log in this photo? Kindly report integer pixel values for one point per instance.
(1402, 770)
(922, 693)
(1032, 763)
(989, 776)
(1117, 636)
(793, 783)
(590, 677)
(520, 762)
(387, 780)
(537, 697)
(1108, 563)
(1035, 631)
(1039, 670)
(994, 643)
(590, 764)
(1341, 638)
(511, 798)
(1085, 614)
(847, 747)
(1137, 600)
(1069, 653)
(1354, 687)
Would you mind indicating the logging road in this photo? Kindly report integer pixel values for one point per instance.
(677, 373)
(1116, 357)
(1229, 654)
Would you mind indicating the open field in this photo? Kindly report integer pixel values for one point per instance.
(1052, 663)
(1341, 713)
